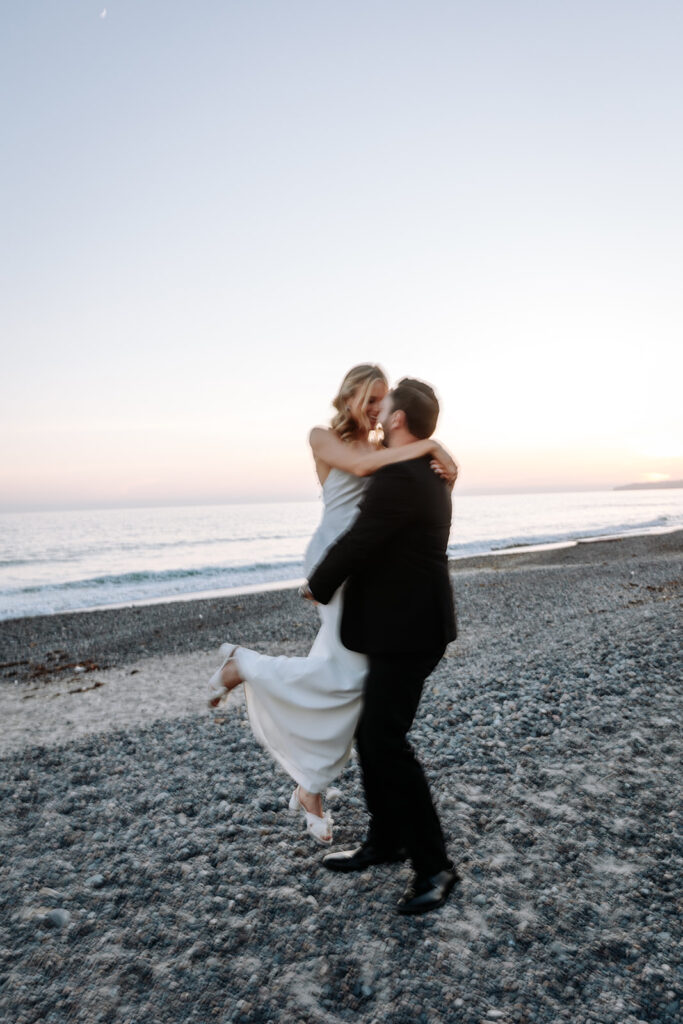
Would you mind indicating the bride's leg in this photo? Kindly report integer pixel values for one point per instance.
(225, 680)
(230, 675)
(319, 825)
(312, 802)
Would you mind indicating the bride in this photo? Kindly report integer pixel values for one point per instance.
(304, 710)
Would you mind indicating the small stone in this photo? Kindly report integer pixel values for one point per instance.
(58, 918)
(95, 881)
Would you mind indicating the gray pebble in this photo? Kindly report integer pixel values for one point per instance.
(58, 918)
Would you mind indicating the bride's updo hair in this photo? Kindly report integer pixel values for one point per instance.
(357, 385)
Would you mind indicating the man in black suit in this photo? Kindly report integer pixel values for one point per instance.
(398, 609)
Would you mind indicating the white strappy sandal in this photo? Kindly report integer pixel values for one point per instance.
(319, 828)
(218, 694)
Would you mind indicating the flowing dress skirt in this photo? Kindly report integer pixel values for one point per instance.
(305, 710)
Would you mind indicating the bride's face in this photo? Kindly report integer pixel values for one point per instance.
(371, 410)
(385, 416)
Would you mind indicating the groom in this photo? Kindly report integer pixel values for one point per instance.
(398, 609)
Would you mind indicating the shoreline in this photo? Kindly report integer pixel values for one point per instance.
(482, 560)
(583, 550)
(78, 643)
(76, 648)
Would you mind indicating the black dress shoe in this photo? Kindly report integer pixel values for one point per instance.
(427, 892)
(362, 857)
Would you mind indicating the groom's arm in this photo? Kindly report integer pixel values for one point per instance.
(388, 506)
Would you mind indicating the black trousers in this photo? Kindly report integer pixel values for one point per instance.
(396, 790)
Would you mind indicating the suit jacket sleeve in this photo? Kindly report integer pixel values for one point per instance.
(388, 506)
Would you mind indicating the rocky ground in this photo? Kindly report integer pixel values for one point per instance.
(151, 873)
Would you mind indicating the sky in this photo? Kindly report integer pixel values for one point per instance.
(211, 211)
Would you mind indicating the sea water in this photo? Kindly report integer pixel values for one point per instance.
(70, 560)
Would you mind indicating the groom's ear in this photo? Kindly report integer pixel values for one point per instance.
(397, 419)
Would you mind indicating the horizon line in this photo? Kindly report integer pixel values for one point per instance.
(103, 506)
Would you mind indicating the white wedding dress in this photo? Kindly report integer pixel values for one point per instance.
(305, 710)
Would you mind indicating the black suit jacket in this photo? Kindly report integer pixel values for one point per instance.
(398, 597)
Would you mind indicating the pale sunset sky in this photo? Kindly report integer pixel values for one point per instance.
(212, 210)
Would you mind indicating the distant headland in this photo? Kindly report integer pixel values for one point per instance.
(661, 484)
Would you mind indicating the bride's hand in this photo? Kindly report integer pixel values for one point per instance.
(444, 465)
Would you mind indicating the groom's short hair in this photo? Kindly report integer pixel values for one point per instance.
(419, 403)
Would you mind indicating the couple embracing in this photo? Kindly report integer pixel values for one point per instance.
(378, 572)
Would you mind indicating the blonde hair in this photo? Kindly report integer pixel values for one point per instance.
(359, 379)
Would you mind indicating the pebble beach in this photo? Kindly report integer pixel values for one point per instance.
(152, 873)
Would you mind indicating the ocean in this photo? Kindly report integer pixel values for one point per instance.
(73, 560)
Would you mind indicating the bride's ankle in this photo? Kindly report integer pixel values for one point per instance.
(313, 802)
(230, 676)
